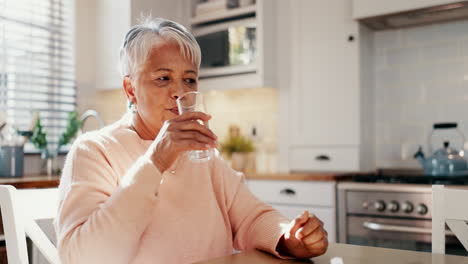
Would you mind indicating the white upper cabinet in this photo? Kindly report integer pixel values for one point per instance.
(113, 19)
(238, 43)
(371, 8)
(322, 127)
(324, 85)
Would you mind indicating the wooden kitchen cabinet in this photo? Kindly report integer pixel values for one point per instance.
(291, 198)
(321, 130)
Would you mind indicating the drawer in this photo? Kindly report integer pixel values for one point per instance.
(294, 192)
(324, 159)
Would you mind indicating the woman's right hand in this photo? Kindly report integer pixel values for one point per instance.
(181, 134)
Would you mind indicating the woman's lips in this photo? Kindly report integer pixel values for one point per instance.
(174, 110)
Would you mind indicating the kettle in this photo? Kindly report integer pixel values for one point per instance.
(444, 161)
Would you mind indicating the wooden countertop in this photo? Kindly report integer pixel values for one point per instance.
(347, 254)
(44, 181)
(32, 181)
(309, 176)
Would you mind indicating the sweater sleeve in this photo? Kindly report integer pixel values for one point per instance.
(255, 224)
(101, 220)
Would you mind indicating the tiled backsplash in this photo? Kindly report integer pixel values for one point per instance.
(246, 108)
(110, 104)
(421, 78)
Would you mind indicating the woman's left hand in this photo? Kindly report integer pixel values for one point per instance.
(305, 238)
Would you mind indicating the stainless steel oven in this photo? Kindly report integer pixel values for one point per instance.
(389, 215)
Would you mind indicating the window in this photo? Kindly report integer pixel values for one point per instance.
(36, 64)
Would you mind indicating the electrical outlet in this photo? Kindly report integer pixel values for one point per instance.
(255, 132)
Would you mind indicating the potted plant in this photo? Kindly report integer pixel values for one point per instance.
(39, 140)
(239, 149)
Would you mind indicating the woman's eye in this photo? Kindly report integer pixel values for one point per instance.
(191, 81)
(164, 78)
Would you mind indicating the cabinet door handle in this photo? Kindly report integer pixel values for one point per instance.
(288, 191)
(323, 158)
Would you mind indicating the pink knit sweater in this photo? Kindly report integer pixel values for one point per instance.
(116, 207)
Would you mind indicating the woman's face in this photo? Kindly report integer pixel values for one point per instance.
(165, 76)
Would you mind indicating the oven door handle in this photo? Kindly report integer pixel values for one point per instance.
(397, 228)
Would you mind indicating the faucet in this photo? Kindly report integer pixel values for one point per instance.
(91, 113)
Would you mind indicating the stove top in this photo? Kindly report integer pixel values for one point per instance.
(404, 176)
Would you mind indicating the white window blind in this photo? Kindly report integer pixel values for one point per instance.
(36, 64)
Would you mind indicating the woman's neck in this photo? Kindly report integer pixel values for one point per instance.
(142, 128)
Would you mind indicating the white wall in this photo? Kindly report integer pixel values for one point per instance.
(421, 77)
(85, 51)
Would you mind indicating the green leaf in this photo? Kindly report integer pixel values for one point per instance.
(237, 144)
(73, 126)
(38, 137)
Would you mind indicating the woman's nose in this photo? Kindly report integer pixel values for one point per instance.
(177, 91)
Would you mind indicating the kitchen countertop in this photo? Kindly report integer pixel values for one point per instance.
(32, 181)
(306, 176)
(45, 181)
(347, 254)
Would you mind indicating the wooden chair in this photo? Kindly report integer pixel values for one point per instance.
(20, 210)
(449, 206)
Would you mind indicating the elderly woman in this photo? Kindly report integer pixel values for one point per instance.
(127, 195)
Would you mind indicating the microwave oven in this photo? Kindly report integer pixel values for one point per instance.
(227, 48)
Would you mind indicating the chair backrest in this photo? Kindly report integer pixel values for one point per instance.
(20, 210)
(449, 206)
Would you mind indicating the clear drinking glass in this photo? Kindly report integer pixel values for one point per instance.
(193, 102)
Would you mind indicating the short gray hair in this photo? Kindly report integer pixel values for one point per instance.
(141, 38)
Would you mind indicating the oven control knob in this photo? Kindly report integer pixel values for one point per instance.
(407, 207)
(365, 205)
(393, 206)
(379, 205)
(421, 209)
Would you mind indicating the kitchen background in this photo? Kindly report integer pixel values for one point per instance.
(249, 108)
(335, 95)
(420, 73)
(421, 77)
(414, 77)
